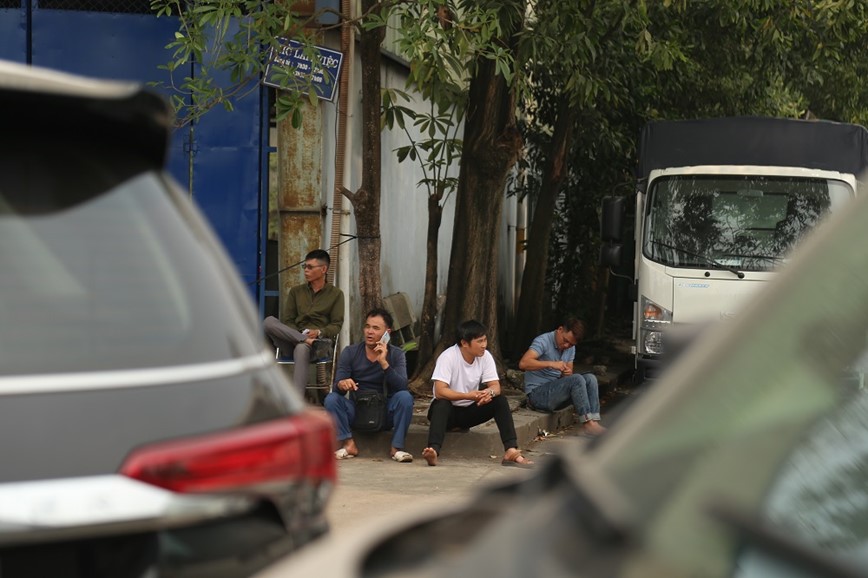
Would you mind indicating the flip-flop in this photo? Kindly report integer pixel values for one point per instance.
(526, 464)
(402, 457)
(513, 464)
(343, 454)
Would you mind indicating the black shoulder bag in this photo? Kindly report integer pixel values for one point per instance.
(370, 409)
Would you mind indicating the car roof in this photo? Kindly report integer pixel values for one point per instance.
(25, 78)
(124, 114)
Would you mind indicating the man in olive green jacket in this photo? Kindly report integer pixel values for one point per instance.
(314, 312)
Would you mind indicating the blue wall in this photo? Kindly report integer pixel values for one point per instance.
(218, 158)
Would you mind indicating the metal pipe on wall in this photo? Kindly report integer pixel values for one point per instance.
(343, 149)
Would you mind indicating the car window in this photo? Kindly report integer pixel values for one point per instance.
(102, 268)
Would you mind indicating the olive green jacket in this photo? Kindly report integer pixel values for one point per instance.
(323, 310)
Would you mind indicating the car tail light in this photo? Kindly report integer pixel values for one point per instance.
(296, 448)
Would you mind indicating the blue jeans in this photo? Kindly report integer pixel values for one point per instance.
(399, 412)
(581, 390)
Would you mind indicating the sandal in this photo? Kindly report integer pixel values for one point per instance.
(402, 457)
(516, 461)
(343, 454)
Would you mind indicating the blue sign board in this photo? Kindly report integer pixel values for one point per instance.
(291, 68)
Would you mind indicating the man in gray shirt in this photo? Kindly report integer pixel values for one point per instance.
(549, 381)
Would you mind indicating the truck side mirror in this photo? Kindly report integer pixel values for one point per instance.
(612, 221)
(610, 254)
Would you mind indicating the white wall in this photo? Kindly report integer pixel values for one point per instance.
(404, 212)
(403, 208)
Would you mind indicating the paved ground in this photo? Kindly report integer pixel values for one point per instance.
(373, 488)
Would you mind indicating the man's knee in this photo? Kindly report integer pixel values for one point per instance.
(439, 406)
(500, 401)
(403, 399)
(332, 402)
(301, 353)
(270, 323)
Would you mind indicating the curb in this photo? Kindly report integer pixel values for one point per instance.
(482, 440)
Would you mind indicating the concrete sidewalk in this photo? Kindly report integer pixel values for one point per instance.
(484, 439)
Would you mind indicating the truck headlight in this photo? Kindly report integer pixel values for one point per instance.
(655, 319)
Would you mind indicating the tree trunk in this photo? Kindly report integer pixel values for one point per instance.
(530, 303)
(429, 301)
(366, 201)
(491, 146)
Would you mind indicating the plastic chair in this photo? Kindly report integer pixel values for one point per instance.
(322, 369)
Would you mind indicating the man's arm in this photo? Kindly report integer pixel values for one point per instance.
(530, 361)
(336, 318)
(343, 374)
(290, 310)
(396, 369)
(493, 387)
(443, 391)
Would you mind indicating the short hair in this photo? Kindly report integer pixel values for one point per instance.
(574, 325)
(379, 311)
(319, 255)
(470, 330)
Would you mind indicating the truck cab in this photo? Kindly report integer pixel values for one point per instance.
(719, 205)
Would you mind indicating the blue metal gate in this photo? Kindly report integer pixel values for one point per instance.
(221, 159)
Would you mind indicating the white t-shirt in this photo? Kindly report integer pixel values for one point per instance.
(461, 376)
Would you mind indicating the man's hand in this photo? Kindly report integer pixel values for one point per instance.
(563, 367)
(314, 333)
(381, 349)
(348, 384)
(484, 396)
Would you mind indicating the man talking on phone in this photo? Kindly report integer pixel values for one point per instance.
(371, 366)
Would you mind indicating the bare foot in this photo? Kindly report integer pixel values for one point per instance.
(350, 446)
(430, 456)
(593, 427)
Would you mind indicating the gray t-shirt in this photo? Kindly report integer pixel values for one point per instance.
(548, 350)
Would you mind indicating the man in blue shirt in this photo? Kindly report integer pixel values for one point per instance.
(549, 381)
(367, 366)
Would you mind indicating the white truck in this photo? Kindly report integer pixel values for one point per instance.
(719, 204)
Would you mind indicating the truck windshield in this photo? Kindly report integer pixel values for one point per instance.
(747, 222)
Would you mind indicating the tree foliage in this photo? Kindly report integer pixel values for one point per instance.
(515, 71)
(675, 60)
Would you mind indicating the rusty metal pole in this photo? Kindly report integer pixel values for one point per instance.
(299, 195)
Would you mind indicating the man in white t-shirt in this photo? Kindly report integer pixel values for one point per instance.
(467, 393)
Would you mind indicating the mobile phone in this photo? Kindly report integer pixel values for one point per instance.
(385, 338)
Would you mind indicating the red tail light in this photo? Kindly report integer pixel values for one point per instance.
(290, 449)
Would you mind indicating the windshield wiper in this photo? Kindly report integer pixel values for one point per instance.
(705, 258)
(772, 258)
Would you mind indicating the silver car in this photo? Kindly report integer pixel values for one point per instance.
(145, 429)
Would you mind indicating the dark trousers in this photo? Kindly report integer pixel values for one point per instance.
(444, 416)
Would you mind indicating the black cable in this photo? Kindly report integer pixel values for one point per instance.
(288, 267)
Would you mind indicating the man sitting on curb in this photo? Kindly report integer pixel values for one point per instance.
(459, 401)
(366, 366)
(549, 381)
